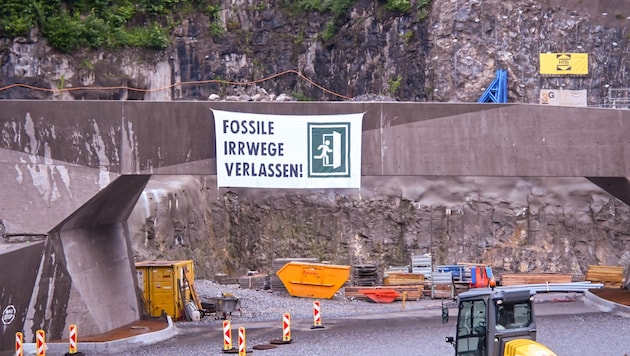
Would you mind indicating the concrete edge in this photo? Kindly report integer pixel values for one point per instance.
(110, 346)
(606, 305)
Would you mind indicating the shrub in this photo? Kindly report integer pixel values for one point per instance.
(329, 30)
(65, 32)
(398, 5)
(16, 18)
(394, 85)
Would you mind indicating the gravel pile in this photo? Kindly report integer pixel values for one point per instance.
(262, 305)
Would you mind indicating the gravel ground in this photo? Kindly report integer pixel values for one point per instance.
(265, 306)
(354, 327)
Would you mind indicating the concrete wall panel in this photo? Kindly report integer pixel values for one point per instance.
(417, 138)
(164, 135)
(16, 287)
(516, 140)
(81, 133)
(54, 156)
(100, 264)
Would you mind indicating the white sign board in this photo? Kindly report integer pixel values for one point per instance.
(563, 97)
(288, 151)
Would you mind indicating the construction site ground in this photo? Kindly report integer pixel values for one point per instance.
(147, 325)
(136, 328)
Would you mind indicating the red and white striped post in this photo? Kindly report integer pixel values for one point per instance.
(40, 343)
(242, 345)
(286, 327)
(317, 315)
(73, 339)
(19, 344)
(227, 335)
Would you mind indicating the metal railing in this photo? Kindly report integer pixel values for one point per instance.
(618, 98)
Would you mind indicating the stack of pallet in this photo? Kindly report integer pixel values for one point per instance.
(257, 281)
(222, 278)
(610, 276)
(517, 279)
(422, 264)
(403, 279)
(364, 275)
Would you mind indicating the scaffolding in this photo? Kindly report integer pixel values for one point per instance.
(497, 91)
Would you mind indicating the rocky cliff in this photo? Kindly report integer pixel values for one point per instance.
(448, 52)
(513, 224)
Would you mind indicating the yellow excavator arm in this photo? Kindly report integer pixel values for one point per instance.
(524, 347)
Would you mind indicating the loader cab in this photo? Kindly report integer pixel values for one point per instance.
(489, 318)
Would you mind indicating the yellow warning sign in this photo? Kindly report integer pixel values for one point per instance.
(559, 64)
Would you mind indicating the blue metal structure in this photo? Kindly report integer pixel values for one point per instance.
(497, 91)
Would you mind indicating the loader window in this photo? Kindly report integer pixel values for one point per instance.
(514, 316)
(471, 328)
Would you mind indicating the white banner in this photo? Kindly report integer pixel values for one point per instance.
(288, 151)
(563, 97)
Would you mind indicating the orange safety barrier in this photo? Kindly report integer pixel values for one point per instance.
(19, 344)
(286, 327)
(73, 339)
(242, 345)
(40, 343)
(227, 335)
(317, 315)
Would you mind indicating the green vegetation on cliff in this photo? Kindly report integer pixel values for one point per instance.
(73, 24)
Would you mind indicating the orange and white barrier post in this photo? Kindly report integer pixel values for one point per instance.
(227, 335)
(317, 315)
(40, 343)
(286, 327)
(73, 339)
(19, 344)
(242, 344)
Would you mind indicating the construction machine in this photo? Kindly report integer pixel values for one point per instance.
(495, 321)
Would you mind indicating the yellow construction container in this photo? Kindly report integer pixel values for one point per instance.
(165, 286)
(313, 280)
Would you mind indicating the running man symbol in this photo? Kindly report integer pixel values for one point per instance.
(325, 150)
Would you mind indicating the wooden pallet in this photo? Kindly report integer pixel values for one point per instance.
(400, 279)
(610, 276)
(515, 279)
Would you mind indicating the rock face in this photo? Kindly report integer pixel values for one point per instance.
(515, 225)
(477, 36)
(446, 52)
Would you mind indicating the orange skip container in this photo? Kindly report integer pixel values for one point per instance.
(313, 280)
